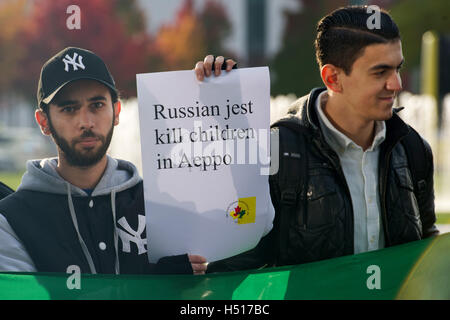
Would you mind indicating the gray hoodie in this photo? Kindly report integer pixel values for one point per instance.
(41, 175)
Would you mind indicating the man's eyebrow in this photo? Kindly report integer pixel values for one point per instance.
(65, 103)
(97, 98)
(386, 66)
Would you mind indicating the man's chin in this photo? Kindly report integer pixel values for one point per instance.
(387, 115)
(83, 154)
(84, 162)
(385, 111)
(85, 158)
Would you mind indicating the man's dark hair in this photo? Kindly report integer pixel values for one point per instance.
(343, 34)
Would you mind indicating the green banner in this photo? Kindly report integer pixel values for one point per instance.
(416, 270)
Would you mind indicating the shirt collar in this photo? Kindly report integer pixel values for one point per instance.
(336, 139)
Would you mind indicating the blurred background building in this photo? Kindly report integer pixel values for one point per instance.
(139, 36)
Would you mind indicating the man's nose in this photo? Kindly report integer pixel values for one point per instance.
(86, 119)
(394, 83)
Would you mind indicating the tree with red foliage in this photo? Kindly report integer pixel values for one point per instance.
(193, 35)
(102, 31)
(11, 15)
(116, 31)
(182, 42)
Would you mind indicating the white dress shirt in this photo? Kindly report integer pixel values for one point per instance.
(361, 172)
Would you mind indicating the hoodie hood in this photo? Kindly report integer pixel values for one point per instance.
(41, 175)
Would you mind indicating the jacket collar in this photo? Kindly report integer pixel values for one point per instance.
(310, 113)
(304, 112)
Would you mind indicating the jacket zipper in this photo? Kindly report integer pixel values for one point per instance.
(383, 187)
(383, 184)
(344, 180)
(338, 168)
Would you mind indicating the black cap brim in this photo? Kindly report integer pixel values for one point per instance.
(50, 97)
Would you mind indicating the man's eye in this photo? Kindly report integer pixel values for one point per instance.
(380, 73)
(98, 105)
(68, 109)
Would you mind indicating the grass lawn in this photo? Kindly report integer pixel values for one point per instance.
(11, 179)
(443, 218)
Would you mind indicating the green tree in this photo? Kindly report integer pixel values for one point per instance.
(414, 18)
(131, 15)
(294, 68)
(216, 26)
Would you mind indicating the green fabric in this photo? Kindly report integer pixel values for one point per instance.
(434, 265)
(423, 264)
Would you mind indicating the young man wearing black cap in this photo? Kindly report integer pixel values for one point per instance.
(82, 208)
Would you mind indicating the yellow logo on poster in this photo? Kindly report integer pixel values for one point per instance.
(243, 211)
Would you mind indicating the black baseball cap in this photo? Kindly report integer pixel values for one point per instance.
(69, 65)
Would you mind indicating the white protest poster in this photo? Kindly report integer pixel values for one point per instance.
(205, 157)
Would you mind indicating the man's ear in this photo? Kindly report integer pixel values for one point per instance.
(42, 121)
(331, 77)
(117, 109)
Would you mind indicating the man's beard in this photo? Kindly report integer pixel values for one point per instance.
(76, 158)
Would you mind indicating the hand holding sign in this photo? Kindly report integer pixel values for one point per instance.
(205, 67)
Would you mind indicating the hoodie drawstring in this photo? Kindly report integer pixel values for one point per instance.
(75, 224)
(116, 237)
(80, 239)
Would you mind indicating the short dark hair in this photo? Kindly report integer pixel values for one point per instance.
(343, 34)
(115, 96)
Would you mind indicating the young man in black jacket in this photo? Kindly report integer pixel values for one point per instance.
(353, 176)
(83, 208)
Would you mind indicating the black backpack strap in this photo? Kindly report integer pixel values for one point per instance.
(292, 178)
(419, 165)
(5, 190)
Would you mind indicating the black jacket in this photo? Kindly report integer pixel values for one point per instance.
(321, 227)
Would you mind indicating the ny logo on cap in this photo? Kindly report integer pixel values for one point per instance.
(68, 60)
